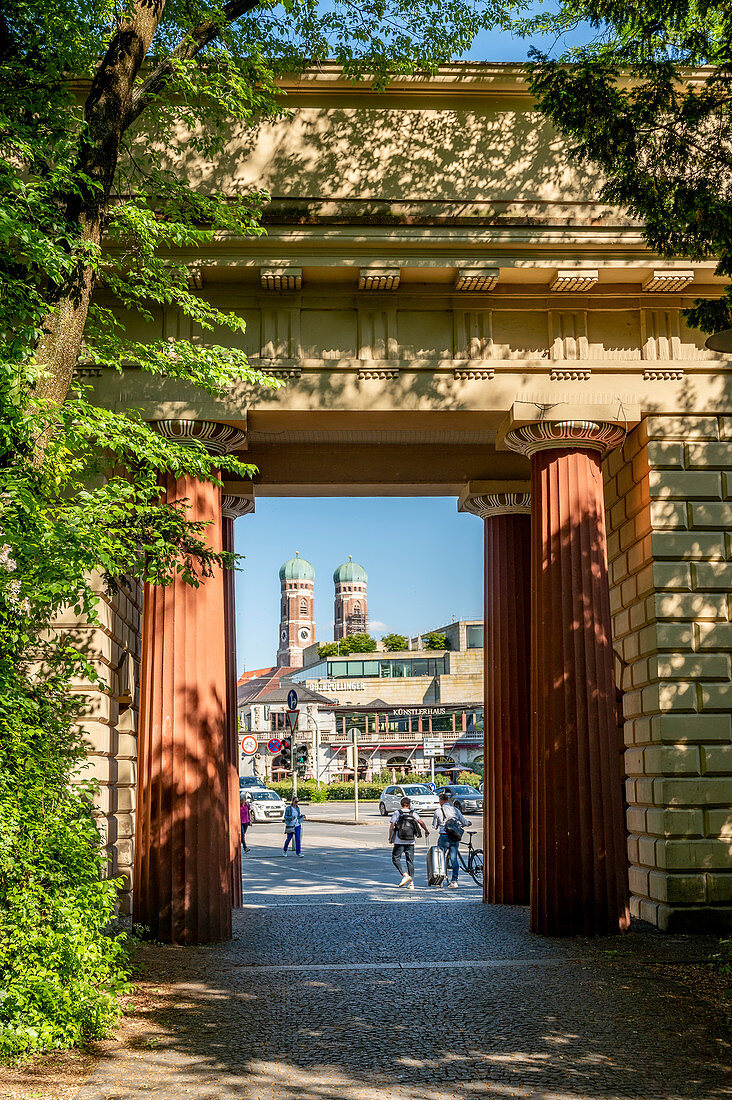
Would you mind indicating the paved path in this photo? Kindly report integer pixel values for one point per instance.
(363, 999)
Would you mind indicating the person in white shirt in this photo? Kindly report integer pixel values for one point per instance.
(444, 815)
(405, 826)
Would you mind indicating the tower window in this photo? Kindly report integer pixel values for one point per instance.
(357, 608)
(303, 609)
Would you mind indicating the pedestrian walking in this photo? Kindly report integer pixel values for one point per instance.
(405, 826)
(294, 818)
(246, 819)
(451, 825)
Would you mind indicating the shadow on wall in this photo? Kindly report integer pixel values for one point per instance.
(392, 149)
(184, 847)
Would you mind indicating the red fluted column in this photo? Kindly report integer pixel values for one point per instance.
(182, 881)
(579, 881)
(506, 685)
(231, 508)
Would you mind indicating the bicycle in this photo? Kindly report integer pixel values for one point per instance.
(474, 866)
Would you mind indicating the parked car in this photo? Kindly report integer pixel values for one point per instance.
(423, 800)
(246, 782)
(266, 805)
(465, 798)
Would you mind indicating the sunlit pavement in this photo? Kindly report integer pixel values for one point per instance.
(339, 864)
(338, 985)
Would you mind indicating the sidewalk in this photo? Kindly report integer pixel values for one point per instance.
(322, 1003)
(342, 813)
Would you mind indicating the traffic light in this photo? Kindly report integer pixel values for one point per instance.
(286, 753)
(302, 758)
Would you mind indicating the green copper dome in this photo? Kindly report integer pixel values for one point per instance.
(350, 572)
(297, 569)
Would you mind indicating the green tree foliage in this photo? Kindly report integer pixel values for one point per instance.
(102, 108)
(359, 643)
(394, 642)
(354, 643)
(628, 103)
(435, 641)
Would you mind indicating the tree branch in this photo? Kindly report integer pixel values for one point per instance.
(186, 50)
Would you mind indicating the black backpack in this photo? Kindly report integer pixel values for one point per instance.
(453, 829)
(406, 828)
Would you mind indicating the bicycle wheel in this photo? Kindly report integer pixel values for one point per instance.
(475, 866)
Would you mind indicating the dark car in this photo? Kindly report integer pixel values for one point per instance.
(463, 797)
(246, 782)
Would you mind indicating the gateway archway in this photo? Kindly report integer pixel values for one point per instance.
(471, 323)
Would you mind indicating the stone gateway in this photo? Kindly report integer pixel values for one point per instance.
(455, 312)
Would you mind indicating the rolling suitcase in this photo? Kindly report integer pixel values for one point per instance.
(436, 865)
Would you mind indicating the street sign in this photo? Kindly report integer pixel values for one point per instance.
(292, 699)
(249, 745)
(433, 746)
(291, 717)
(274, 745)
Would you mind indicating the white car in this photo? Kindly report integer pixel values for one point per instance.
(423, 800)
(265, 805)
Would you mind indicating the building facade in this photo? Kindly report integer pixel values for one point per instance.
(396, 699)
(262, 710)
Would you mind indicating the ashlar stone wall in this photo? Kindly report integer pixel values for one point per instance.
(669, 510)
(109, 718)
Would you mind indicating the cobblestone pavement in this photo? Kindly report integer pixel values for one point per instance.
(420, 1002)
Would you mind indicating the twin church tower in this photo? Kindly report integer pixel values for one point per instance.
(297, 606)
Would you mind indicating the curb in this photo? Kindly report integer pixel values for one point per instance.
(338, 821)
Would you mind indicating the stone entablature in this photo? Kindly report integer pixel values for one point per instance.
(438, 332)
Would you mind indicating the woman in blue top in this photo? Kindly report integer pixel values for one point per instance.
(294, 818)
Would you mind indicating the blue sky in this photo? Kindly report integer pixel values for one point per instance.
(424, 561)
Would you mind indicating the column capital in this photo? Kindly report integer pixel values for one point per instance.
(498, 504)
(217, 438)
(530, 427)
(233, 506)
(547, 435)
(496, 498)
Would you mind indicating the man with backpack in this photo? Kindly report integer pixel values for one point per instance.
(451, 824)
(404, 828)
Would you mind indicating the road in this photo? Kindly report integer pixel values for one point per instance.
(341, 864)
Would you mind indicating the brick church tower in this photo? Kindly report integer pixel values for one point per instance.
(297, 611)
(351, 612)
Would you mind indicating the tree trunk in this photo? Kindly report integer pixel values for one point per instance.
(58, 349)
(112, 106)
(106, 118)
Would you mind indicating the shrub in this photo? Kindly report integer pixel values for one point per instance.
(340, 792)
(394, 642)
(435, 641)
(62, 973)
(471, 778)
(319, 794)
